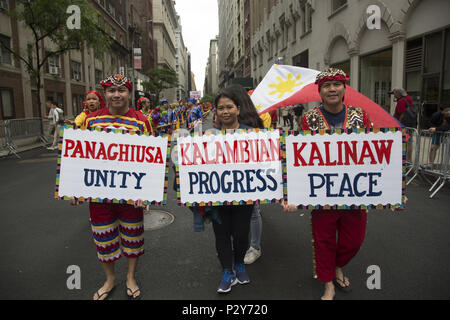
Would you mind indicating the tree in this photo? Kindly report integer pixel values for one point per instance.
(209, 98)
(160, 79)
(53, 20)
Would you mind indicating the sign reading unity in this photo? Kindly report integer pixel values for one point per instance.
(230, 168)
(362, 169)
(112, 165)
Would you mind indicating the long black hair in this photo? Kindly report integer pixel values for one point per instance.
(248, 114)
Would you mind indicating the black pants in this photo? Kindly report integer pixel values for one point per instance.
(235, 227)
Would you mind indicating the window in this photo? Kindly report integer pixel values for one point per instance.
(344, 66)
(5, 55)
(283, 33)
(446, 86)
(4, 4)
(375, 77)
(76, 70)
(433, 53)
(7, 110)
(337, 4)
(301, 60)
(98, 76)
(113, 33)
(30, 53)
(60, 99)
(269, 44)
(306, 12)
(53, 65)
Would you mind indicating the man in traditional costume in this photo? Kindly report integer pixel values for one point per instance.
(332, 253)
(117, 228)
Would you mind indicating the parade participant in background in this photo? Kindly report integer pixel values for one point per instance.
(349, 225)
(56, 121)
(93, 102)
(117, 228)
(156, 118)
(144, 106)
(298, 112)
(193, 114)
(274, 116)
(234, 111)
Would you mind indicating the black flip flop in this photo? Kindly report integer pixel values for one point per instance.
(108, 294)
(132, 294)
(341, 287)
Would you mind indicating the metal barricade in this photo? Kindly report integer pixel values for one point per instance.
(2, 135)
(20, 129)
(412, 150)
(432, 160)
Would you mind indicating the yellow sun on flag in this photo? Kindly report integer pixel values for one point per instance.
(285, 86)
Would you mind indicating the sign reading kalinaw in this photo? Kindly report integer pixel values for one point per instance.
(232, 167)
(112, 165)
(361, 169)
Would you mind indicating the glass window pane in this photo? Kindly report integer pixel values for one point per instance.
(375, 75)
(433, 53)
(431, 90)
(446, 86)
(338, 3)
(413, 84)
(7, 104)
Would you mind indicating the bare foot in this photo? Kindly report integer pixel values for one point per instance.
(329, 291)
(103, 292)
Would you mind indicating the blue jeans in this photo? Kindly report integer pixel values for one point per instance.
(256, 228)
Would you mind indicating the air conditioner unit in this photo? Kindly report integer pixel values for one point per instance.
(53, 70)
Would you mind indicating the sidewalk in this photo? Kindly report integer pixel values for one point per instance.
(22, 146)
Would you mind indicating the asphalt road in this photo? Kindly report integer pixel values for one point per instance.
(40, 237)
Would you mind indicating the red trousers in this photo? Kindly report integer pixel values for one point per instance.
(337, 237)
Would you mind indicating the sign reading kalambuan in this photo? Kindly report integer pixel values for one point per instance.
(230, 168)
(112, 165)
(363, 169)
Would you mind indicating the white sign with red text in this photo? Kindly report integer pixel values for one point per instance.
(107, 165)
(345, 169)
(243, 166)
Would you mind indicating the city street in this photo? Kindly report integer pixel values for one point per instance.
(40, 237)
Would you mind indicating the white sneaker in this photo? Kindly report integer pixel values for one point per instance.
(252, 255)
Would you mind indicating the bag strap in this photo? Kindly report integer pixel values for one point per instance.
(407, 103)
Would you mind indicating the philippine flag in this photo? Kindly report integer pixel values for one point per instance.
(288, 86)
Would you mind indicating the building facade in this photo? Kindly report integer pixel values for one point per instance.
(66, 77)
(165, 25)
(181, 64)
(234, 43)
(382, 45)
(211, 85)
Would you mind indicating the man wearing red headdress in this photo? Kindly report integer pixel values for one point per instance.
(117, 228)
(349, 226)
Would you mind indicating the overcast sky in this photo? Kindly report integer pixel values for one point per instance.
(200, 22)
